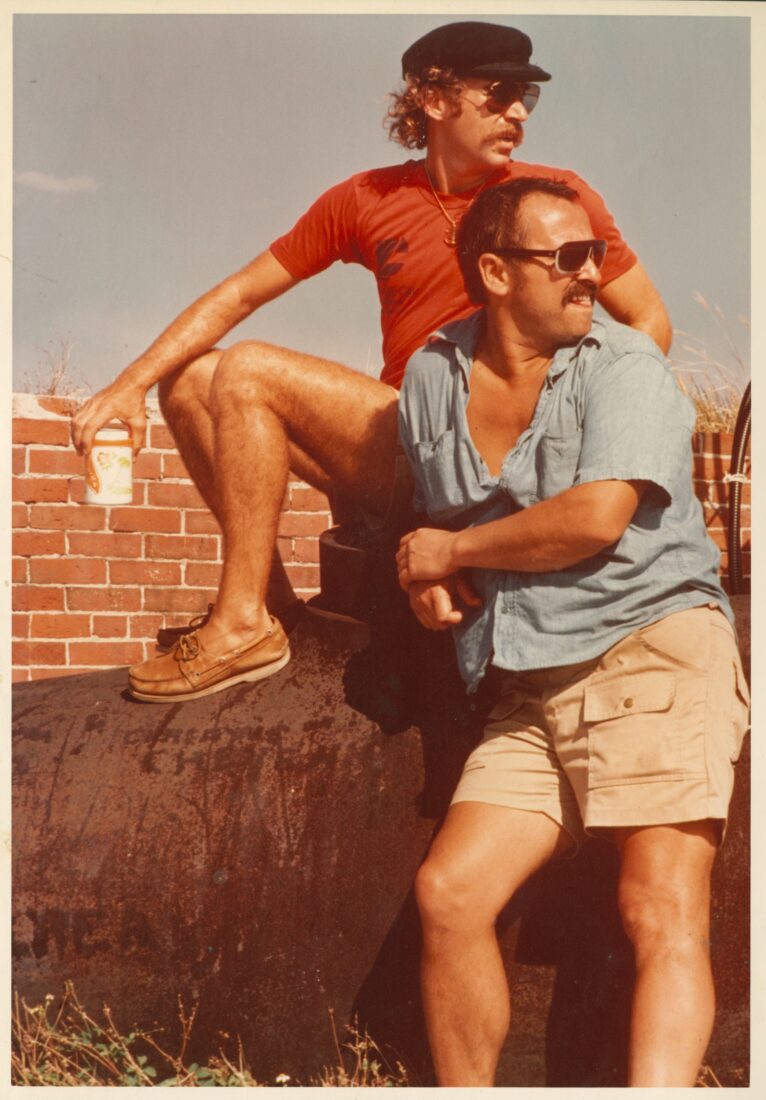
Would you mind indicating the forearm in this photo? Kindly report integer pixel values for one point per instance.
(551, 535)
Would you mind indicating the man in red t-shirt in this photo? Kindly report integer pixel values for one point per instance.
(244, 417)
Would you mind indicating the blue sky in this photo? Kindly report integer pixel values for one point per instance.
(155, 154)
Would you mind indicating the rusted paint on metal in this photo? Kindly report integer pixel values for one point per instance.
(254, 851)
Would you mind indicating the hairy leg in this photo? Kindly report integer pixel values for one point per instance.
(185, 403)
(665, 906)
(481, 856)
(242, 419)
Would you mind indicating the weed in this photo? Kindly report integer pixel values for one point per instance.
(713, 377)
(66, 1046)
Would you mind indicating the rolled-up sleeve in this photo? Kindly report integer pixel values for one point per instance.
(636, 425)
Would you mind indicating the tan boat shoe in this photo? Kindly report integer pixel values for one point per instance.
(189, 671)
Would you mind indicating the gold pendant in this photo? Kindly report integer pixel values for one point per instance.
(449, 237)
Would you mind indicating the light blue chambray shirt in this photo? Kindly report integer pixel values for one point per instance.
(609, 408)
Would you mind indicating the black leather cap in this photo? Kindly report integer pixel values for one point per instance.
(474, 49)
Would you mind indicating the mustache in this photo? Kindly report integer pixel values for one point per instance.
(514, 131)
(580, 287)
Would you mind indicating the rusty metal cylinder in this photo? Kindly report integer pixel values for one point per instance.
(254, 852)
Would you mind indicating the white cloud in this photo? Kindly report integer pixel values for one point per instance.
(43, 181)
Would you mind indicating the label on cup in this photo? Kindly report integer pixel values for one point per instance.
(109, 468)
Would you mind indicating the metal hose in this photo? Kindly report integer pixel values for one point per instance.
(736, 480)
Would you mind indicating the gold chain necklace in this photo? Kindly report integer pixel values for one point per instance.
(450, 234)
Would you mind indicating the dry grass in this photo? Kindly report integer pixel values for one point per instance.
(67, 1046)
(713, 374)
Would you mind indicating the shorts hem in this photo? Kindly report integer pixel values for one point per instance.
(576, 833)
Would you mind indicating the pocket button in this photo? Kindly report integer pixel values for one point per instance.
(628, 703)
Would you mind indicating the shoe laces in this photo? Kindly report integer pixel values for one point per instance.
(188, 647)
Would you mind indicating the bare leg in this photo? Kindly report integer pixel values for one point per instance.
(665, 906)
(481, 856)
(242, 419)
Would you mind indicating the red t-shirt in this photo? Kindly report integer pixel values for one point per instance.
(388, 221)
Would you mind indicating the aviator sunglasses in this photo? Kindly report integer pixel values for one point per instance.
(568, 258)
(502, 93)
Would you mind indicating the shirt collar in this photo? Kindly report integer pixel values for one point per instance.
(464, 336)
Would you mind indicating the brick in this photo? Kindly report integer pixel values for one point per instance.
(20, 626)
(58, 404)
(181, 546)
(40, 489)
(146, 465)
(202, 574)
(144, 572)
(19, 570)
(20, 515)
(710, 467)
(145, 519)
(194, 601)
(55, 432)
(174, 494)
(104, 546)
(108, 626)
(285, 548)
(56, 673)
(37, 598)
(109, 654)
(302, 523)
(305, 499)
(19, 460)
(65, 463)
(60, 626)
(103, 599)
(303, 576)
(38, 543)
(146, 626)
(68, 571)
(20, 675)
(161, 438)
(174, 466)
(306, 550)
(201, 523)
(38, 653)
(718, 535)
(67, 517)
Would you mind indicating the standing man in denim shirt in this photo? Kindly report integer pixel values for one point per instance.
(576, 567)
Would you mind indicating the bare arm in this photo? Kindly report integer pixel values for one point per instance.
(634, 300)
(551, 535)
(195, 331)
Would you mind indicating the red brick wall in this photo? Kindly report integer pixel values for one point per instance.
(712, 461)
(92, 585)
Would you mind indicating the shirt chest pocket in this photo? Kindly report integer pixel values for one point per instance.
(438, 464)
(557, 460)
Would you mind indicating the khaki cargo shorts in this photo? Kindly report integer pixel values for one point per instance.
(645, 734)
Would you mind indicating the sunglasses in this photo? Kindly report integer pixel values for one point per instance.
(502, 93)
(568, 258)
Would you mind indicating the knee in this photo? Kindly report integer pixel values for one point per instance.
(189, 387)
(444, 900)
(242, 374)
(665, 917)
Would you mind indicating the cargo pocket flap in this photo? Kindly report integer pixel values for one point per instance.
(645, 692)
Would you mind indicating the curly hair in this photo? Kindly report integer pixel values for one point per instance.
(406, 119)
